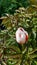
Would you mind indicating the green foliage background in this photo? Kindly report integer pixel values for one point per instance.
(9, 6)
(18, 13)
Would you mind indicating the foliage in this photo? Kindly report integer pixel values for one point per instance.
(9, 6)
(12, 53)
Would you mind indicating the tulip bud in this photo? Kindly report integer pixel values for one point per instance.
(21, 36)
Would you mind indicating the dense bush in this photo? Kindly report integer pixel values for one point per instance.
(12, 53)
(18, 13)
(9, 6)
